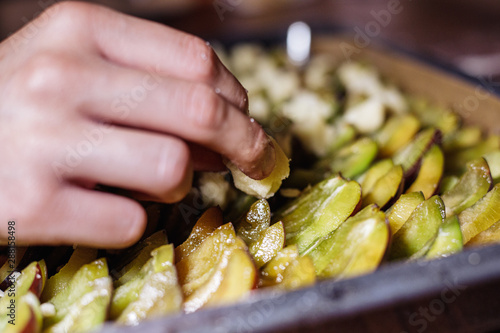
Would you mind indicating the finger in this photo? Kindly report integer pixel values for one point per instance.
(206, 160)
(191, 111)
(90, 218)
(151, 163)
(145, 45)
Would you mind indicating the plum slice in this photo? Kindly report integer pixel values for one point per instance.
(61, 279)
(430, 173)
(32, 279)
(268, 244)
(257, 219)
(26, 316)
(353, 159)
(482, 215)
(396, 133)
(493, 160)
(471, 187)
(356, 247)
(204, 227)
(456, 161)
(376, 171)
(410, 156)
(272, 272)
(320, 211)
(196, 269)
(465, 137)
(448, 241)
(155, 292)
(386, 188)
(82, 305)
(431, 115)
(298, 274)
(232, 281)
(402, 209)
(489, 236)
(137, 256)
(419, 231)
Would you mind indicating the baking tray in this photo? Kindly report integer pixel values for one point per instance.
(460, 293)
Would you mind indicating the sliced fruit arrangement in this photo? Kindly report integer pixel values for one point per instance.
(356, 247)
(152, 293)
(82, 305)
(375, 176)
(319, 211)
(418, 233)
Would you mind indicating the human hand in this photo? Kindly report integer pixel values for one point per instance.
(90, 96)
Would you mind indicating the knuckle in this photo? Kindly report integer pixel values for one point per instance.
(46, 73)
(203, 60)
(68, 13)
(206, 108)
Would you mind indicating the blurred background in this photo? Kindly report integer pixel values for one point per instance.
(459, 33)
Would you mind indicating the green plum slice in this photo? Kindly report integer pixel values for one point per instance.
(386, 188)
(487, 237)
(482, 215)
(269, 243)
(345, 135)
(419, 231)
(298, 274)
(210, 220)
(256, 221)
(431, 115)
(298, 214)
(448, 183)
(356, 247)
(138, 255)
(397, 132)
(272, 272)
(353, 159)
(82, 305)
(465, 137)
(59, 281)
(157, 294)
(32, 279)
(456, 161)
(410, 156)
(376, 171)
(402, 209)
(320, 212)
(26, 316)
(493, 160)
(430, 173)
(471, 187)
(448, 241)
